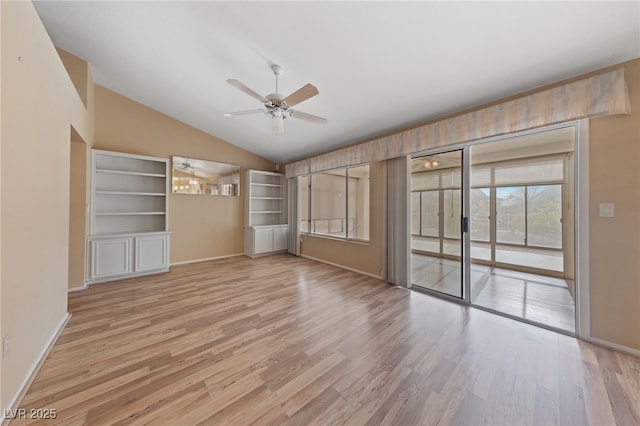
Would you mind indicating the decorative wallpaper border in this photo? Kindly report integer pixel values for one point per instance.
(603, 94)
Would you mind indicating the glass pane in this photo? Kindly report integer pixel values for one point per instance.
(530, 171)
(425, 180)
(480, 176)
(437, 180)
(415, 213)
(452, 212)
(510, 215)
(329, 203)
(480, 205)
(531, 175)
(430, 213)
(480, 250)
(451, 178)
(358, 206)
(303, 187)
(544, 216)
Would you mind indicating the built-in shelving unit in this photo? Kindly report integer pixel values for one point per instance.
(265, 219)
(129, 215)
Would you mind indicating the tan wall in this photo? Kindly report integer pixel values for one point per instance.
(614, 242)
(80, 74)
(40, 105)
(365, 257)
(201, 227)
(2, 403)
(614, 177)
(77, 213)
(78, 70)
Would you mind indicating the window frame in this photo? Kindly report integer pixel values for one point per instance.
(309, 220)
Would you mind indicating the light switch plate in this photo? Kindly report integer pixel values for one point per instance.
(606, 209)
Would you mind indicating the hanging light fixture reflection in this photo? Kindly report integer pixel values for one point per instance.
(430, 163)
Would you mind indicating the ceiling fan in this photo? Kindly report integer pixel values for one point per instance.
(277, 106)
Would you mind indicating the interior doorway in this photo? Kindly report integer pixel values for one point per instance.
(515, 198)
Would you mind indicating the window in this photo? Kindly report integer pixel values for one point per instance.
(336, 203)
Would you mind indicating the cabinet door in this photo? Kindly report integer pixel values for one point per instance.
(280, 238)
(110, 257)
(263, 240)
(151, 253)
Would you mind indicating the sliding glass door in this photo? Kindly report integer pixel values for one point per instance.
(514, 254)
(436, 223)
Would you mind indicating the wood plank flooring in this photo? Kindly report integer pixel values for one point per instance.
(288, 341)
(533, 297)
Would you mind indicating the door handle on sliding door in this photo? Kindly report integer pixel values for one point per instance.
(465, 224)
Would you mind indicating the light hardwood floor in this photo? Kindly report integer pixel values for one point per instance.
(532, 297)
(286, 340)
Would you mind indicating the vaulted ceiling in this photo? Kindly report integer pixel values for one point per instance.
(379, 66)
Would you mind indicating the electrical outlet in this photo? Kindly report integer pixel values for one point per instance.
(6, 345)
(605, 209)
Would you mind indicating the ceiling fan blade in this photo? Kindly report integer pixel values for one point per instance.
(302, 94)
(309, 117)
(235, 83)
(277, 124)
(247, 112)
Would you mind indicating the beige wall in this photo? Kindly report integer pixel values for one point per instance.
(614, 242)
(2, 403)
(365, 257)
(77, 212)
(80, 74)
(201, 227)
(78, 71)
(35, 155)
(614, 177)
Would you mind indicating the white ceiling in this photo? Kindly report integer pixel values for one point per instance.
(379, 66)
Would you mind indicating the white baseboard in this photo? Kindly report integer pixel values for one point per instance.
(72, 289)
(24, 386)
(615, 346)
(226, 256)
(342, 266)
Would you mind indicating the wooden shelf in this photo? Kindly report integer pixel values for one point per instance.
(264, 198)
(142, 194)
(265, 225)
(129, 216)
(266, 184)
(123, 172)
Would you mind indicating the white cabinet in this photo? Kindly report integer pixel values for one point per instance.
(265, 221)
(280, 237)
(263, 240)
(267, 239)
(122, 256)
(109, 257)
(152, 252)
(129, 215)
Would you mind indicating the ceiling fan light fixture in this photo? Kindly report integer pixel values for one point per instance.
(277, 124)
